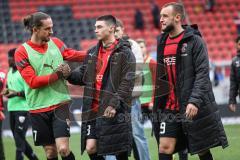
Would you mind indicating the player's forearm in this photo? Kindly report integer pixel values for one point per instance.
(34, 81)
(73, 55)
(39, 81)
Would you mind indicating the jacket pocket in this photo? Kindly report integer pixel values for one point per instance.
(203, 133)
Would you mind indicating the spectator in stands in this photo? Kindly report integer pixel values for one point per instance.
(237, 22)
(18, 110)
(235, 78)
(209, 5)
(40, 63)
(139, 138)
(139, 21)
(108, 76)
(2, 116)
(155, 14)
(183, 90)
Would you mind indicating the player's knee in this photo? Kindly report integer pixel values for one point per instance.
(166, 149)
(91, 149)
(51, 153)
(63, 151)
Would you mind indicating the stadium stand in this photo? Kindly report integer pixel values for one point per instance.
(218, 28)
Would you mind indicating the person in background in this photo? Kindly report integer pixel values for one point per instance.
(140, 145)
(149, 73)
(155, 14)
(210, 5)
(2, 116)
(236, 20)
(235, 78)
(18, 109)
(139, 21)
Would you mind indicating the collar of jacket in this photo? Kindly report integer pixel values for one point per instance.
(121, 44)
(189, 30)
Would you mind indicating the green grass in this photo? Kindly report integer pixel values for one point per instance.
(230, 153)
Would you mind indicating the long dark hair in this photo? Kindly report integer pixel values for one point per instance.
(34, 20)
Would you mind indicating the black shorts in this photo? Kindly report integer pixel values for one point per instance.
(91, 130)
(172, 128)
(47, 126)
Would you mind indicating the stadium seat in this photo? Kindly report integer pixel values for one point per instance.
(218, 27)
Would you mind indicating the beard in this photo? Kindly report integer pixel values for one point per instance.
(169, 28)
(46, 39)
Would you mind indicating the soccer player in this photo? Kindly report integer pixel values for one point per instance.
(40, 63)
(18, 110)
(140, 147)
(234, 78)
(148, 87)
(188, 116)
(108, 76)
(2, 116)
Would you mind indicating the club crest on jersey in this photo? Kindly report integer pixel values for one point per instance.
(184, 47)
(68, 122)
(237, 63)
(21, 119)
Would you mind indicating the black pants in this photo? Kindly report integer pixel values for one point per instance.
(2, 156)
(19, 122)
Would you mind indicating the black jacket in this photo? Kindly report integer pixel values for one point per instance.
(114, 134)
(234, 79)
(193, 86)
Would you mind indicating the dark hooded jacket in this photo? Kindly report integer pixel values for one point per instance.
(114, 135)
(234, 79)
(192, 86)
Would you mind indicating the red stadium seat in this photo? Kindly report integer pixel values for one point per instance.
(218, 28)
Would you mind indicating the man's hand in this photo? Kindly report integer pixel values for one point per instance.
(4, 91)
(2, 116)
(110, 112)
(150, 106)
(63, 70)
(9, 93)
(191, 111)
(232, 107)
